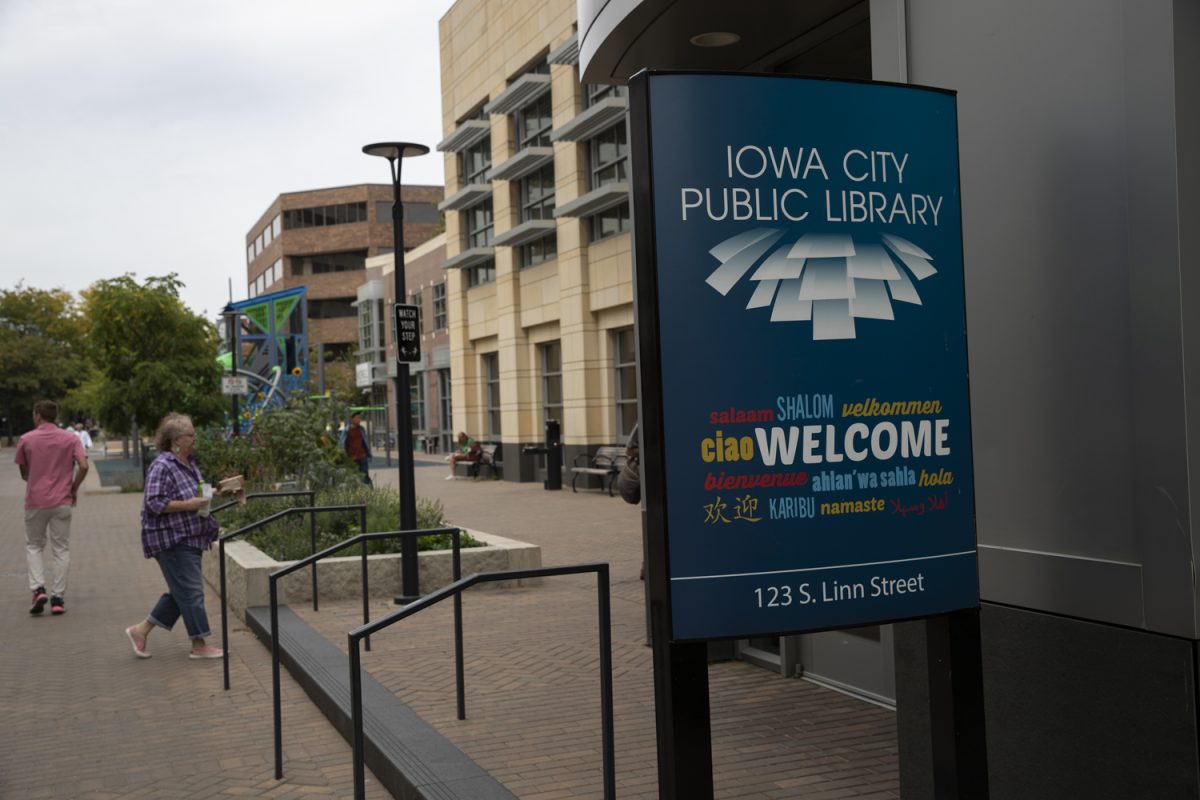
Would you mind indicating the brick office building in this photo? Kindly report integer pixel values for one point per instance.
(321, 239)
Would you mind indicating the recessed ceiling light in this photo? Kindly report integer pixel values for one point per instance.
(715, 39)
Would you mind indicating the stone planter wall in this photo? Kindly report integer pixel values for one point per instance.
(340, 578)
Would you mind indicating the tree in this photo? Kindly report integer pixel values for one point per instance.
(152, 355)
(42, 351)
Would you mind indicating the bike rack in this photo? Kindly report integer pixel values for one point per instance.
(312, 512)
(455, 590)
(456, 573)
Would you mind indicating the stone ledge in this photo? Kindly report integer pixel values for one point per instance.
(339, 578)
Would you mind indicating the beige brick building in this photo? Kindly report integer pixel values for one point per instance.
(321, 239)
(537, 219)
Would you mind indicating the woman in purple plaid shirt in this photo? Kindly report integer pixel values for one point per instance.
(176, 534)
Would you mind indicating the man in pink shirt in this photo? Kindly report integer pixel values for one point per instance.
(53, 465)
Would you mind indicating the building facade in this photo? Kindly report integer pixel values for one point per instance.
(1080, 179)
(429, 378)
(539, 277)
(321, 239)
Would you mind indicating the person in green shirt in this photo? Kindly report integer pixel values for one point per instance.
(468, 450)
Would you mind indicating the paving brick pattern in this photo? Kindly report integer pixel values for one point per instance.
(85, 719)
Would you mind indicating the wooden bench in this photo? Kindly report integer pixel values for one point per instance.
(606, 462)
(487, 458)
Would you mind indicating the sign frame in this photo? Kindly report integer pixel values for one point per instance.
(659, 461)
(406, 320)
(236, 385)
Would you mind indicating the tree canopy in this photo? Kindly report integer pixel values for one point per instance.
(152, 355)
(42, 350)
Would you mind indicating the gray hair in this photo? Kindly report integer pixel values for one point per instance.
(169, 429)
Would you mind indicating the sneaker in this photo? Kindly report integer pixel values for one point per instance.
(208, 651)
(57, 605)
(39, 600)
(138, 641)
(451, 477)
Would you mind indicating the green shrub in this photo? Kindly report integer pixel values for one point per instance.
(293, 442)
(290, 538)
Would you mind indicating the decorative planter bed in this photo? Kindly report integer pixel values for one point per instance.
(339, 578)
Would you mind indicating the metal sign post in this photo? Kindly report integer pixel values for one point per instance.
(801, 239)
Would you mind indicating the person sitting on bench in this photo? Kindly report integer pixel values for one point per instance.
(468, 452)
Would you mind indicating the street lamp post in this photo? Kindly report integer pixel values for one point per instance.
(395, 152)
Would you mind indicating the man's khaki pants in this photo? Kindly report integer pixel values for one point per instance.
(53, 526)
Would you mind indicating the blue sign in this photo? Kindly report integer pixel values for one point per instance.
(816, 434)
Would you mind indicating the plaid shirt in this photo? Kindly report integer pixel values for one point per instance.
(168, 480)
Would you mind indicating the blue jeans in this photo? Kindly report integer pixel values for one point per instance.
(185, 592)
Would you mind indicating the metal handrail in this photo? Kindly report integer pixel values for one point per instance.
(272, 578)
(312, 512)
(455, 590)
(309, 493)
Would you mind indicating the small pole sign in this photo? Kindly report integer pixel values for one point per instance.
(235, 384)
(408, 333)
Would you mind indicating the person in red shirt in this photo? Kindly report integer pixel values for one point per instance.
(53, 465)
(357, 446)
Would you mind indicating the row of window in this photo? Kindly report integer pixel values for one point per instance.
(264, 238)
(551, 378)
(336, 214)
(267, 279)
(608, 157)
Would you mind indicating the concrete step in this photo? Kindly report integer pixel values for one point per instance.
(406, 754)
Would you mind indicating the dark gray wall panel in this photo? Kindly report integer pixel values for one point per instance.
(1074, 709)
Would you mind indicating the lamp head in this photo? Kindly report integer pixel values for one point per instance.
(395, 150)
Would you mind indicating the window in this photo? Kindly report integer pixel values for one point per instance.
(552, 394)
(278, 270)
(537, 202)
(249, 253)
(444, 399)
(321, 263)
(475, 161)
(439, 306)
(335, 308)
(534, 123)
(481, 273)
(479, 224)
(414, 298)
(340, 214)
(599, 91)
(625, 359)
(276, 225)
(366, 330)
(491, 392)
(416, 391)
(608, 162)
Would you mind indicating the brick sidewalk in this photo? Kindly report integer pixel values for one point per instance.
(87, 720)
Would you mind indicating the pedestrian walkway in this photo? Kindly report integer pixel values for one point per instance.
(85, 719)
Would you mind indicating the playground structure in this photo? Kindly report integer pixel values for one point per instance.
(269, 348)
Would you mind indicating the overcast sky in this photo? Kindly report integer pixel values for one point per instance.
(147, 136)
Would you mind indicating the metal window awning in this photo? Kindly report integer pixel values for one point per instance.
(469, 133)
(566, 53)
(466, 197)
(526, 232)
(592, 120)
(595, 201)
(470, 258)
(521, 92)
(528, 160)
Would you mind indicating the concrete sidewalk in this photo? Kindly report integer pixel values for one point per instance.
(88, 720)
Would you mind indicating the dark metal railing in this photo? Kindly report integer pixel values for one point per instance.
(363, 538)
(287, 512)
(455, 590)
(309, 493)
